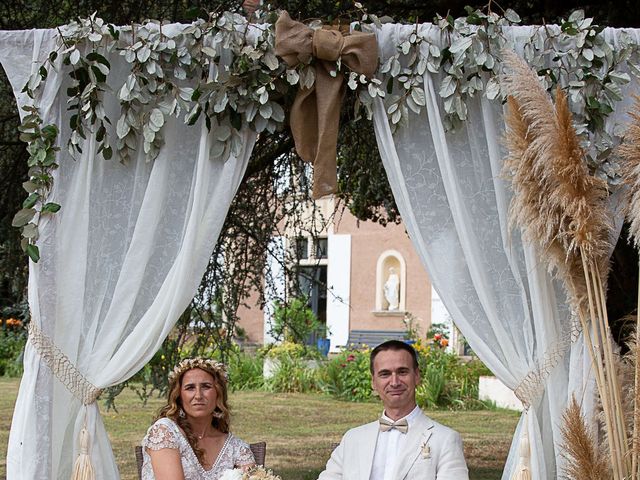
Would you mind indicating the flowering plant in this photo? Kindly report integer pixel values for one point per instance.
(254, 473)
(12, 322)
(347, 375)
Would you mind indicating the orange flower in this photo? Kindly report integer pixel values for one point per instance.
(444, 342)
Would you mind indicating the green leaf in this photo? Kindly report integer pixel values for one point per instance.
(576, 16)
(74, 57)
(33, 252)
(114, 33)
(447, 87)
(474, 19)
(107, 153)
(100, 133)
(31, 200)
(50, 132)
(390, 85)
(96, 57)
(49, 159)
(156, 118)
(30, 187)
(209, 52)
(450, 21)
(569, 28)
(30, 230)
(236, 119)
(39, 157)
(193, 116)
(512, 16)
(50, 207)
(23, 217)
(461, 44)
(100, 77)
(28, 137)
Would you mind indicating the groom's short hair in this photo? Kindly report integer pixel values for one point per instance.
(394, 345)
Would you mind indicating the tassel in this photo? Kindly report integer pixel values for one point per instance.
(523, 471)
(83, 469)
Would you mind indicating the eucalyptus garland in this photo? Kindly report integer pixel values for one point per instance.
(224, 70)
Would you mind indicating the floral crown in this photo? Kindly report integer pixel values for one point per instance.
(198, 362)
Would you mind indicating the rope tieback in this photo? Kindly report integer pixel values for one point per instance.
(62, 367)
(315, 113)
(532, 385)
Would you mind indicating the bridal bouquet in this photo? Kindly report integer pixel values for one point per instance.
(255, 473)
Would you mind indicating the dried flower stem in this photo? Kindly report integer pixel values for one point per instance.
(609, 386)
(616, 387)
(636, 398)
(598, 367)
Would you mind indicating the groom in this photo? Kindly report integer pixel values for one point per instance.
(404, 444)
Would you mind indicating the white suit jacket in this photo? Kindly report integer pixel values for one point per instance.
(432, 452)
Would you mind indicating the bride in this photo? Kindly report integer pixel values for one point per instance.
(190, 440)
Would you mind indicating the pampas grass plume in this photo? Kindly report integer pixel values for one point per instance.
(629, 150)
(585, 460)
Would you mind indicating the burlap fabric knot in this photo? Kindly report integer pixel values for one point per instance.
(315, 114)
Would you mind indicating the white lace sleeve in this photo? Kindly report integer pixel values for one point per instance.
(160, 436)
(243, 455)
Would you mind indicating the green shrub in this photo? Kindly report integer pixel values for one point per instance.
(347, 376)
(292, 375)
(245, 372)
(429, 393)
(13, 337)
(288, 349)
(447, 380)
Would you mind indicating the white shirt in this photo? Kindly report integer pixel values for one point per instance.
(388, 447)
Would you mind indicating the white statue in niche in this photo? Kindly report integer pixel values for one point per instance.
(392, 290)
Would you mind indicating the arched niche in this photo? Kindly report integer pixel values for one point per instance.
(391, 262)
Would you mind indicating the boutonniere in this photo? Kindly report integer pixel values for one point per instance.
(425, 449)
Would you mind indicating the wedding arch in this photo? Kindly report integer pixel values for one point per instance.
(142, 134)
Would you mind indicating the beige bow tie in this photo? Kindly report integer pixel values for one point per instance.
(402, 425)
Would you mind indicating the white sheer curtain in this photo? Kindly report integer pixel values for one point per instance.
(119, 263)
(454, 203)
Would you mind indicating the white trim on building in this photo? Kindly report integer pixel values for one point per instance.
(338, 290)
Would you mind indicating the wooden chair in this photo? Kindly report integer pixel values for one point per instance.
(258, 449)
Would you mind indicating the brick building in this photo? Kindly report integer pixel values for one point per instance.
(351, 261)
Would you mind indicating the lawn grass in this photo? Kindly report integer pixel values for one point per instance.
(299, 429)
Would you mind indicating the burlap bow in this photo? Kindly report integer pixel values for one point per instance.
(315, 114)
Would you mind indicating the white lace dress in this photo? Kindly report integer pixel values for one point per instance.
(166, 434)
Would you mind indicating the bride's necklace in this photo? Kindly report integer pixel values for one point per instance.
(201, 436)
